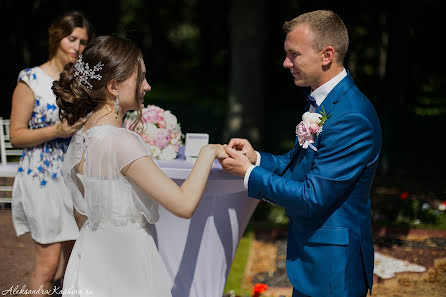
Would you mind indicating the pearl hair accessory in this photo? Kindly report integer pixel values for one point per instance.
(84, 72)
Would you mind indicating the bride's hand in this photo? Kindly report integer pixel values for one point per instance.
(218, 150)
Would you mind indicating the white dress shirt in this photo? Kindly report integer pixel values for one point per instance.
(319, 95)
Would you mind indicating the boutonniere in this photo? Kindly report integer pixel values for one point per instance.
(310, 127)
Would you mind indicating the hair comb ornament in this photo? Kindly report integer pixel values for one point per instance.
(84, 72)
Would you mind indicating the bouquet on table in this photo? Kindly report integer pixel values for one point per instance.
(159, 129)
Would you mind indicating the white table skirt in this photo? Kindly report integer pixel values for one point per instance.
(199, 252)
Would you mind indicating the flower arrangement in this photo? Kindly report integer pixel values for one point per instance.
(310, 127)
(259, 289)
(159, 129)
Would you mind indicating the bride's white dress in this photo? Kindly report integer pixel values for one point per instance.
(115, 254)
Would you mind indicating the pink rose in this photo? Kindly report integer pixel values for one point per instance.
(158, 109)
(162, 138)
(304, 133)
(151, 116)
(314, 128)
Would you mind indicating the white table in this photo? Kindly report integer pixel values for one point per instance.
(199, 252)
(9, 170)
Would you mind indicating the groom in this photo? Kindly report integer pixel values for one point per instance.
(324, 182)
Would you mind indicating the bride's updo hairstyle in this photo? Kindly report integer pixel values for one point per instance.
(119, 57)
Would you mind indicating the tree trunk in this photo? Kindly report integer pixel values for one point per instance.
(398, 96)
(247, 75)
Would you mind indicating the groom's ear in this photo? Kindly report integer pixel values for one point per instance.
(328, 54)
(112, 87)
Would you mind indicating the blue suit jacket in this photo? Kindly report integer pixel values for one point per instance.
(326, 195)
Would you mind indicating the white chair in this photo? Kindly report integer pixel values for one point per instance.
(7, 169)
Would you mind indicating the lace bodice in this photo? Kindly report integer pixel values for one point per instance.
(108, 196)
(44, 161)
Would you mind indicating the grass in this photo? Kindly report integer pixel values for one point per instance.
(235, 281)
(235, 277)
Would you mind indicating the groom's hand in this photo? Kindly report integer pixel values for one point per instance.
(243, 146)
(237, 163)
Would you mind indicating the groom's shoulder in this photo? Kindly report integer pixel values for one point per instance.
(355, 101)
(353, 106)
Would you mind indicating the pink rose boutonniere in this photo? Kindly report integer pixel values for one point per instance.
(310, 127)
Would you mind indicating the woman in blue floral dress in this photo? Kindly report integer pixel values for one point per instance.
(41, 203)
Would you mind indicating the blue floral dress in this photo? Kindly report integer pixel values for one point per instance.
(41, 202)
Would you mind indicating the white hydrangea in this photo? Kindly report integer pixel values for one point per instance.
(132, 115)
(177, 129)
(150, 128)
(312, 117)
(156, 152)
(174, 141)
(168, 153)
(171, 120)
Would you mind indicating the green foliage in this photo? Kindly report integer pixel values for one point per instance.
(235, 278)
(267, 216)
(430, 106)
(278, 215)
(286, 145)
(409, 212)
(324, 116)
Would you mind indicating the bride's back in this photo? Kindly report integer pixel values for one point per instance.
(93, 173)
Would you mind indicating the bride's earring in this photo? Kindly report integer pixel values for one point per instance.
(116, 106)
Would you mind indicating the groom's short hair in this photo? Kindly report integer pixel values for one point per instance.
(327, 28)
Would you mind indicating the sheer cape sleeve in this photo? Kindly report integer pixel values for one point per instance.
(132, 149)
(107, 194)
(72, 181)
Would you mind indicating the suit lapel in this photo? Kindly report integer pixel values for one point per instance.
(328, 105)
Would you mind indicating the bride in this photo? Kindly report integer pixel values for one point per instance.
(113, 180)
